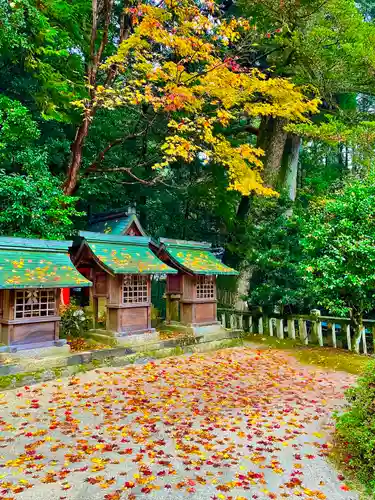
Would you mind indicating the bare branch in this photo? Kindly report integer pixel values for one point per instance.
(116, 142)
(128, 170)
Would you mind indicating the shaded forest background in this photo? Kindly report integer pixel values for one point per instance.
(64, 158)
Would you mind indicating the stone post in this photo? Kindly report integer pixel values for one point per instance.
(291, 328)
(240, 322)
(364, 342)
(223, 322)
(270, 327)
(260, 325)
(280, 328)
(303, 331)
(348, 336)
(334, 341)
(317, 326)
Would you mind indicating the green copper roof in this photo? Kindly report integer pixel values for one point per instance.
(125, 254)
(115, 226)
(28, 263)
(195, 257)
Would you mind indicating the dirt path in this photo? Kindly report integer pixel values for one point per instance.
(235, 424)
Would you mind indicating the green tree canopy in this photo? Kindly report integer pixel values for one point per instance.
(339, 253)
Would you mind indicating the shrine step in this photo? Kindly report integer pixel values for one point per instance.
(32, 371)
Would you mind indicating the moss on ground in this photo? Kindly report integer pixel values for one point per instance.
(272, 342)
(227, 343)
(17, 379)
(334, 359)
(326, 357)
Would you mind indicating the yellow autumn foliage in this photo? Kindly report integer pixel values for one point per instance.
(174, 63)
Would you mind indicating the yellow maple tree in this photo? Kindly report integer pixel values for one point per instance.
(177, 61)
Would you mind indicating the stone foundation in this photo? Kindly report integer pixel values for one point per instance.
(42, 350)
(31, 370)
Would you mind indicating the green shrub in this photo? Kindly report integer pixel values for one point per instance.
(74, 321)
(355, 429)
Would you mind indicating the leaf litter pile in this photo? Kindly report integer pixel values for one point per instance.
(231, 425)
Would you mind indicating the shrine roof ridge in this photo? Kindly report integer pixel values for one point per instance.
(168, 242)
(123, 254)
(115, 238)
(7, 242)
(194, 257)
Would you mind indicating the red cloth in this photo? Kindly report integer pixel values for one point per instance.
(65, 296)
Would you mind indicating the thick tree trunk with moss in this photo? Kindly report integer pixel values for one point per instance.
(289, 166)
(271, 139)
(356, 320)
(243, 286)
(278, 151)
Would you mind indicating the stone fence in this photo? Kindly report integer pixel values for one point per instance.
(310, 328)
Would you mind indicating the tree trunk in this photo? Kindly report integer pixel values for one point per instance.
(271, 139)
(71, 180)
(340, 160)
(99, 39)
(356, 319)
(244, 207)
(243, 286)
(289, 166)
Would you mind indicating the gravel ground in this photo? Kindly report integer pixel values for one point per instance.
(235, 424)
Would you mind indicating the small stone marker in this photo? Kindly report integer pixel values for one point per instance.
(280, 328)
(291, 329)
(348, 337)
(334, 341)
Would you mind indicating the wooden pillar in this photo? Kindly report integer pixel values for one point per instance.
(7, 314)
(57, 312)
(95, 312)
(291, 329)
(168, 313)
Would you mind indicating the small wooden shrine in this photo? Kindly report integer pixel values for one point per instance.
(191, 294)
(120, 268)
(32, 272)
(120, 223)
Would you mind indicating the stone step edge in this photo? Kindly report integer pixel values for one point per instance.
(23, 378)
(123, 349)
(32, 364)
(122, 341)
(100, 354)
